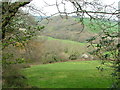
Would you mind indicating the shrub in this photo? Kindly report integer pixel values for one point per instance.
(73, 57)
(12, 76)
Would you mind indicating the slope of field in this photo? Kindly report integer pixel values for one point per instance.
(96, 26)
(77, 74)
(62, 40)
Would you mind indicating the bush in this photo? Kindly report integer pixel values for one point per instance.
(12, 76)
(73, 57)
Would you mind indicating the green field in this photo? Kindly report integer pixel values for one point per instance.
(61, 40)
(77, 74)
(94, 25)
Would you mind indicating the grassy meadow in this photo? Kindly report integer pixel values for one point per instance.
(62, 40)
(77, 74)
(95, 26)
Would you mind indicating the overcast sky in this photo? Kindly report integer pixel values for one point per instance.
(48, 10)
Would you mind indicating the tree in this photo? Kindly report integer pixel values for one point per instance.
(16, 31)
(8, 13)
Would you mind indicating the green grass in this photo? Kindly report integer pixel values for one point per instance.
(66, 41)
(78, 74)
(94, 25)
(63, 41)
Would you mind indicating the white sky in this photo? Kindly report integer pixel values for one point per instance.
(40, 4)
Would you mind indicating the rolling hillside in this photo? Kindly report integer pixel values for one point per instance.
(72, 29)
(69, 29)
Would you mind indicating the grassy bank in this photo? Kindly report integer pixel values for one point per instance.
(78, 74)
(61, 40)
